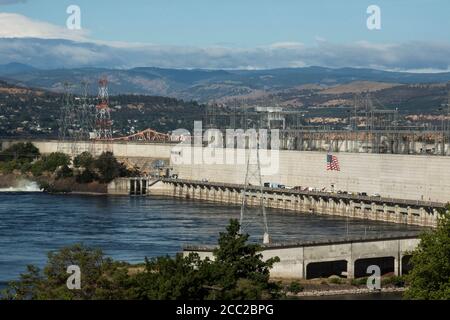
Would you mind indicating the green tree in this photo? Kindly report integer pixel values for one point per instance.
(237, 272)
(50, 163)
(429, 278)
(239, 268)
(109, 168)
(18, 157)
(10, 166)
(37, 168)
(101, 278)
(86, 176)
(84, 160)
(55, 160)
(167, 278)
(21, 152)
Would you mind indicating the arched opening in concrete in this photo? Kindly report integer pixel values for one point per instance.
(386, 264)
(325, 269)
(132, 187)
(406, 265)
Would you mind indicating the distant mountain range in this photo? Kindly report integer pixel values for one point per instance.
(205, 85)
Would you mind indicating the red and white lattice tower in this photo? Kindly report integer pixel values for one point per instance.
(103, 123)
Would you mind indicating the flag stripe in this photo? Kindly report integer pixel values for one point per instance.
(333, 163)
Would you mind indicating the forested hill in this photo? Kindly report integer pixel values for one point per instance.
(35, 112)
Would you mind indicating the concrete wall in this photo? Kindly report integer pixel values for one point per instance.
(120, 149)
(294, 260)
(414, 177)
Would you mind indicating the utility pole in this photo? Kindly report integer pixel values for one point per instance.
(253, 175)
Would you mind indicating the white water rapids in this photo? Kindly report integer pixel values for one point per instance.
(23, 186)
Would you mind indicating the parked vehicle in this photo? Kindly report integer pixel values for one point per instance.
(376, 195)
(274, 185)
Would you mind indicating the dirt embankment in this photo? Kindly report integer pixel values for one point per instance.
(49, 184)
(12, 180)
(70, 185)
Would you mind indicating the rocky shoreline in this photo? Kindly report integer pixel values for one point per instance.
(337, 292)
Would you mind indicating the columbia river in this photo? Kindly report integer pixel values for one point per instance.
(130, 229)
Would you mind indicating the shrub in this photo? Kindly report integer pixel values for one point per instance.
(64, 172)
(87, 176)
(10, 166)
(359, 281)
(335, 280)
(37, 168)
(295, 287)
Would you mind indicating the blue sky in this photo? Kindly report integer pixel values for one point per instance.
(247, 22)
(334, 32)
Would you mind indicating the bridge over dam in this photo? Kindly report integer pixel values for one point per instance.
(420, 213)
(347, 257)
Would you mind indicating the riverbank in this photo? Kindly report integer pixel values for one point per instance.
(13, 180)
(22, 182)
(343, 292)
(338, 287)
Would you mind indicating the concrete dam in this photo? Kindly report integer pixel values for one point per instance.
(410, 177)
(398, 188)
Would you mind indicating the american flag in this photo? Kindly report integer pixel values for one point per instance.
(332, 163)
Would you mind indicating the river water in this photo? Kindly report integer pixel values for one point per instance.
(129, 229)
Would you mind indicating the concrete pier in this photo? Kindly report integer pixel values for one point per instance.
(409, 212)
(349, 258)
(131, 186)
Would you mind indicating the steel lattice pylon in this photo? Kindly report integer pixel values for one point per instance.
(253, 186)
(66, 122)
(85, 117)
(103, 123)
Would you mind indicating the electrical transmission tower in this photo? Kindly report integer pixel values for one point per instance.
(85, 117)
(253, 190)
(103, 123)
(66, 122)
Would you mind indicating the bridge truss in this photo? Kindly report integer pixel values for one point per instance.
(148, 135)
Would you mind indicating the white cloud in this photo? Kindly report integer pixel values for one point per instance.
(14, 25)
(287, 45)
(39, 43)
